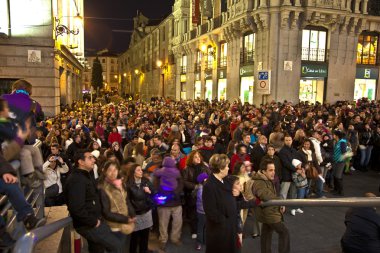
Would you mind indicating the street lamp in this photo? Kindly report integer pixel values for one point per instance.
(61, 29)
(137, 71)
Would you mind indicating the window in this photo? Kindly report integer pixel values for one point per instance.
(223, 55)
(367, 49)
(103, 60)
(183, 64)
(210, 57)
(248, 48)
(198, 61)
(4, 17)
(314, 45)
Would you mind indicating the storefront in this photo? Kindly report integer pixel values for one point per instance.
(312, 83)
(208, 86)
(365, 83)
(222, 84)
(246, 84)
(197, 87)
(183, 87)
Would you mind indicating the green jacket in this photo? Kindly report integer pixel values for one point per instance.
(264, 189)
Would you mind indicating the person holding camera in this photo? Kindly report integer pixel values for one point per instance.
(52, 169)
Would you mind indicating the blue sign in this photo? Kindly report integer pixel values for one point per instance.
(263, 75)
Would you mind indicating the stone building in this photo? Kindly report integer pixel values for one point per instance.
(109, 62)
(42, 41)
(261, 50)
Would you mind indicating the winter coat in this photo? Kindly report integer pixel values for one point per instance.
(257, 154)
(171, 183)
(82, 199)
(362, 231)
(221, 216)
(286, 155)
(116, 209)
(140, 200)
(190, 174)
(168, 175)
(264, 189)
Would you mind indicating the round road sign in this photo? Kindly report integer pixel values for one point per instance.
(263, 84)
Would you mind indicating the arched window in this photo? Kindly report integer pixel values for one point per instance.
(368, 48)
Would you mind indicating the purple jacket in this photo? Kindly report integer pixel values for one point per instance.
(21, 107)
(168, 175)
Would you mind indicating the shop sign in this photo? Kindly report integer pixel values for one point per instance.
(208, 75)
(195, 11)
(263, 85)
(222, 73)
(183, 78)
(313, 70)
(246, 70)
(367, 73)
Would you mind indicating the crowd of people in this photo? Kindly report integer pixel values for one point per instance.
(126, 169)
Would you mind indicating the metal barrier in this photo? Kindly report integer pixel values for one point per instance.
(28, 241)
(327, 202)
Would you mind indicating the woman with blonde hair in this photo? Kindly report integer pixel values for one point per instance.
(220, 208)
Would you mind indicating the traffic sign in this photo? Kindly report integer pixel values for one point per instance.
(263, 86)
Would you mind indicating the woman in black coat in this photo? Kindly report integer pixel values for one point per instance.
(220, 208)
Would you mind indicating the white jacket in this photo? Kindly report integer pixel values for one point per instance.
(53, 176)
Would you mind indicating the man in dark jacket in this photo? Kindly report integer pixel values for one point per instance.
(258, 151)
(362, 230)
(84, 206)
(286, 155)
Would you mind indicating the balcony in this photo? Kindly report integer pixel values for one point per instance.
(193, 34)
(247, 57)
(197, 67)
(313, 54)
(217, 22)
(183, 69)
(204, 28)
(223, 62)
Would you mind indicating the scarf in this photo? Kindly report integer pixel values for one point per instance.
(117, 183)
(308, 153)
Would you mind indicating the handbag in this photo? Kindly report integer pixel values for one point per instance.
(311, 171)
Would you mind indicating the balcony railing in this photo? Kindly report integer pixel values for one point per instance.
(193, 34)
(217, 22)
(197, 67)
(313, 54)
(247, 57)
(223, 62)
(204, 28)
(183, 69)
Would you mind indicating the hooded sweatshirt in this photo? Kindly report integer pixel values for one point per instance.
(168, 175)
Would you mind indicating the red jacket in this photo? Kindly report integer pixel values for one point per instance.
(114, 137)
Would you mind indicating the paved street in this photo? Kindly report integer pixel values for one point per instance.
(318, 230)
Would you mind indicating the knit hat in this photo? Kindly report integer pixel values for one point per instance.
(296, 162)
(95, 153)
(202, 177)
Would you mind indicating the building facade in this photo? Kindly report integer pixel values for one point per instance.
(260, 50)
(109, 62)
(42, 41)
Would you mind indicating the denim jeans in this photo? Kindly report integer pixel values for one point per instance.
(201, 226)
(17, 199)
(101, 238)
(302, 192)
(365, 155)
(318, 186)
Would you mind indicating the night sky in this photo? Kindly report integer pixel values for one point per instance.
(104, 16)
